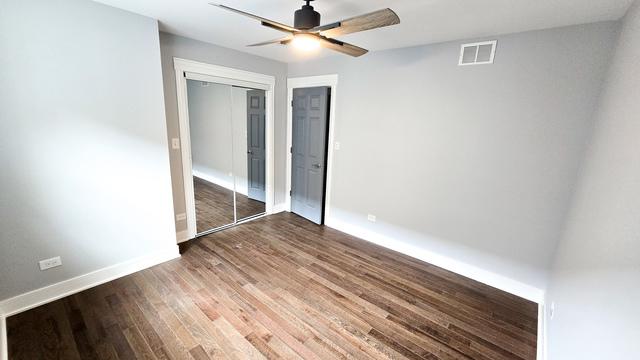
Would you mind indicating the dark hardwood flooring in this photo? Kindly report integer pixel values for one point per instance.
(281, 287)
(214, 205)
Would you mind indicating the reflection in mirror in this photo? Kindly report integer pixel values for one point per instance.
(211, 153)
(249, 151)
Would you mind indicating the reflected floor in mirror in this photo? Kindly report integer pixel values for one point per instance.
(214, 205)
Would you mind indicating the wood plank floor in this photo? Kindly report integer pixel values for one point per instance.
(281, 287)
(214, 205)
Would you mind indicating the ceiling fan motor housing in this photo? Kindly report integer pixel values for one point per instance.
(306, 18)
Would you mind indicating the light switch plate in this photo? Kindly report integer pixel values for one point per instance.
(175, 143)
(50, 263)
(371, 218)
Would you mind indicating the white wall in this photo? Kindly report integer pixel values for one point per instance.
(210, 132)
(474, 163)
(595, 284)
(176, 46)
(85, 167)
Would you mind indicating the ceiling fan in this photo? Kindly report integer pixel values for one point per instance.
(308, 34)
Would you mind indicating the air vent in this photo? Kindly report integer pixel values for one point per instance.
(478, 53)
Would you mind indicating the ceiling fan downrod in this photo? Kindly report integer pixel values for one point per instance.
(306, 18)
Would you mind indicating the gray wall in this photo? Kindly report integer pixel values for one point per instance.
(210, 129)
(595, 284)
(85, 167)
(218, 133)
(476, 163)
(176, 46)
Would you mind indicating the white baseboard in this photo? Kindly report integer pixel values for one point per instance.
(486, 277)
(473, 272)
(34, 298)
(47, 294)
(182, 236)
(227, 184)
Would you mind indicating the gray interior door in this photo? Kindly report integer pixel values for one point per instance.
(310, 124)
(256, 144)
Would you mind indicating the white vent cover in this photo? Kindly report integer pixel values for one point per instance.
(478, 53)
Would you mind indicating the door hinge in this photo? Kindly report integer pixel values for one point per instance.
(290, 192)
(184, 74)
(291, 149)
(291, 103)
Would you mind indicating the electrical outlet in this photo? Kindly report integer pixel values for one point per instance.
(175, 143)
(50, 263)
(336, 145)
(371, 218)
(181, 217)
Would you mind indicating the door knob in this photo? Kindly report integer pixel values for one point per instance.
(250, 152)
(317, 166)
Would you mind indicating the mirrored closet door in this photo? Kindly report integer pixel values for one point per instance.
(227, 136)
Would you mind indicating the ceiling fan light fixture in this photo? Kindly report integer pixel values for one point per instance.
(308, 35)
(305, 42)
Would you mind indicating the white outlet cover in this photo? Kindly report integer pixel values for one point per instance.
(50, 263)
(371, 218)
(336, 145)
(181, 216)
(175, 143)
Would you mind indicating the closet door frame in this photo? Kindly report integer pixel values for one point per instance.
(194, 70)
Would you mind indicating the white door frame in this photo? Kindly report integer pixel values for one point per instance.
(306, 82)
(229, 76)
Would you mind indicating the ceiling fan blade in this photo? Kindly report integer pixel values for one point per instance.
(342, 47)
(266, 22)
(376, 19)
(283, 41)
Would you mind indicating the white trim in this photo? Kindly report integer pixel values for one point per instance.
(541, 351)
(303, 82)
(4, 350)
(185, 151)
(182, 236)
(493, 43)
(47, 294)
(278, 208)
(473, 272)
(229, 76)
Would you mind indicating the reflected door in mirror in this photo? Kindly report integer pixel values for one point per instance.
(250, 164)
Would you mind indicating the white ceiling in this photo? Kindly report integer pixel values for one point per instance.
(422, 21)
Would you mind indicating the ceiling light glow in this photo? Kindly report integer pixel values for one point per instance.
(305, 42)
